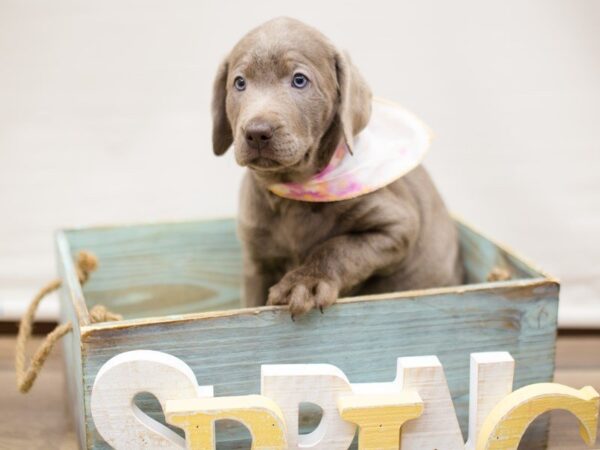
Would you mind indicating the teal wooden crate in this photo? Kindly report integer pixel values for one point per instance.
(178, 287)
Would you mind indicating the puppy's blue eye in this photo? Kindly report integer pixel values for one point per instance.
(239, 83)
(299, 81)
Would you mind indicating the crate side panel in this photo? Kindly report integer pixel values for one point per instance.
(163, 269)
(71, 343)
(364, 339)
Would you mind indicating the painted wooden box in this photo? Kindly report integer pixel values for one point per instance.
(178, 287)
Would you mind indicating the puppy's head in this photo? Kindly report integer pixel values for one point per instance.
(285, 97)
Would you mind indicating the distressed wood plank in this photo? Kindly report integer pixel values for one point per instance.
(73, 310)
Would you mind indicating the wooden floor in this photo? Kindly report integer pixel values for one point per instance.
(39, 420)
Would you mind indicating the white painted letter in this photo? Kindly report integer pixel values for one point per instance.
(288, 385)
(438, 426)
(118, 420)
(491, 380)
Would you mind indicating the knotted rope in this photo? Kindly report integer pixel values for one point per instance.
(86, 263)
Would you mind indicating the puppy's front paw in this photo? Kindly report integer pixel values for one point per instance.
(303, 291)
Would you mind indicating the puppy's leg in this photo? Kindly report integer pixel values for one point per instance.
(339, 264)
(258, 278)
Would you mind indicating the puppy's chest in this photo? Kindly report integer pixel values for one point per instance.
(294, 228)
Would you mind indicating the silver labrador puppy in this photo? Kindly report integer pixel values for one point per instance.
(285, 97)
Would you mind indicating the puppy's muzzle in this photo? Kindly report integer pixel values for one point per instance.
(258, 134)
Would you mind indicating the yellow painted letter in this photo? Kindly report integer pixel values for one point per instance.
(197, 418)
(380, 417)
(508, 420)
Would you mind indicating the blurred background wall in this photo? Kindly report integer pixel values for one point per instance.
(104, 118)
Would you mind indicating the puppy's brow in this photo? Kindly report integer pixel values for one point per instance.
(278, 61)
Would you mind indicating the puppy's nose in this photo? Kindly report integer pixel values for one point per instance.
(258, 134)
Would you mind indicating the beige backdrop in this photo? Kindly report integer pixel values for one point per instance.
(104, 118)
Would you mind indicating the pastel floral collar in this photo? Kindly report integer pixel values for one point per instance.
(392, 144)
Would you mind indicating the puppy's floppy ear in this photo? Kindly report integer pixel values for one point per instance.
(354, 95)
(222, 136)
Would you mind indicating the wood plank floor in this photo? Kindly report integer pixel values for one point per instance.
(39, 420)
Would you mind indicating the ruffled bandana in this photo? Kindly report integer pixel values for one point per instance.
(392, 144)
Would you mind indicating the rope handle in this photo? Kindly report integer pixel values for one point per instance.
(86, 263)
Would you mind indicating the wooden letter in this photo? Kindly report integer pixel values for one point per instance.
(118, 420)
(438, 426)
(291, 384)
(491, 380)
(380, 417)
(197, 417)
(506, 423)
